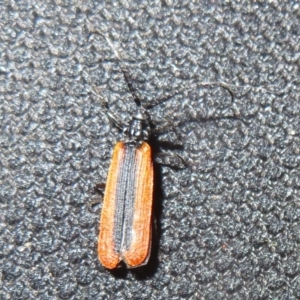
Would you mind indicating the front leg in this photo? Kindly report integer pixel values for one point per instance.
(164, 126)
(114, 119)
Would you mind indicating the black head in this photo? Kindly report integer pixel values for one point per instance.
(138, 129)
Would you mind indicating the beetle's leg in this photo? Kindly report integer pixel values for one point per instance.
(116, 120)
(98, 189)
(160, 127)
(173, 161)
(163, 127)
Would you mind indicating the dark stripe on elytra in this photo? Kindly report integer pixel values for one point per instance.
(125, 193)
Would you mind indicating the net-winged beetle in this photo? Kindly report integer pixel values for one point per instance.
(126, 217)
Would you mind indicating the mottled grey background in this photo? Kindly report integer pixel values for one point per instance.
(227, 226)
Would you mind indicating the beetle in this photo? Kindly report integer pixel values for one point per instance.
(125, 231)
(125, 224)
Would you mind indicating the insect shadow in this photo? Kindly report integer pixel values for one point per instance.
(138, 130)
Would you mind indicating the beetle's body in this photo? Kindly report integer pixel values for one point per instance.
(125, 225)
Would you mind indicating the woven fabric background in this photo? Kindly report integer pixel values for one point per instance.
(227, 226)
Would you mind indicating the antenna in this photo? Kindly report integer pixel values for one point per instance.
(156, 102)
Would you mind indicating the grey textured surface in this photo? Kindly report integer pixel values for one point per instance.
(228, 225)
